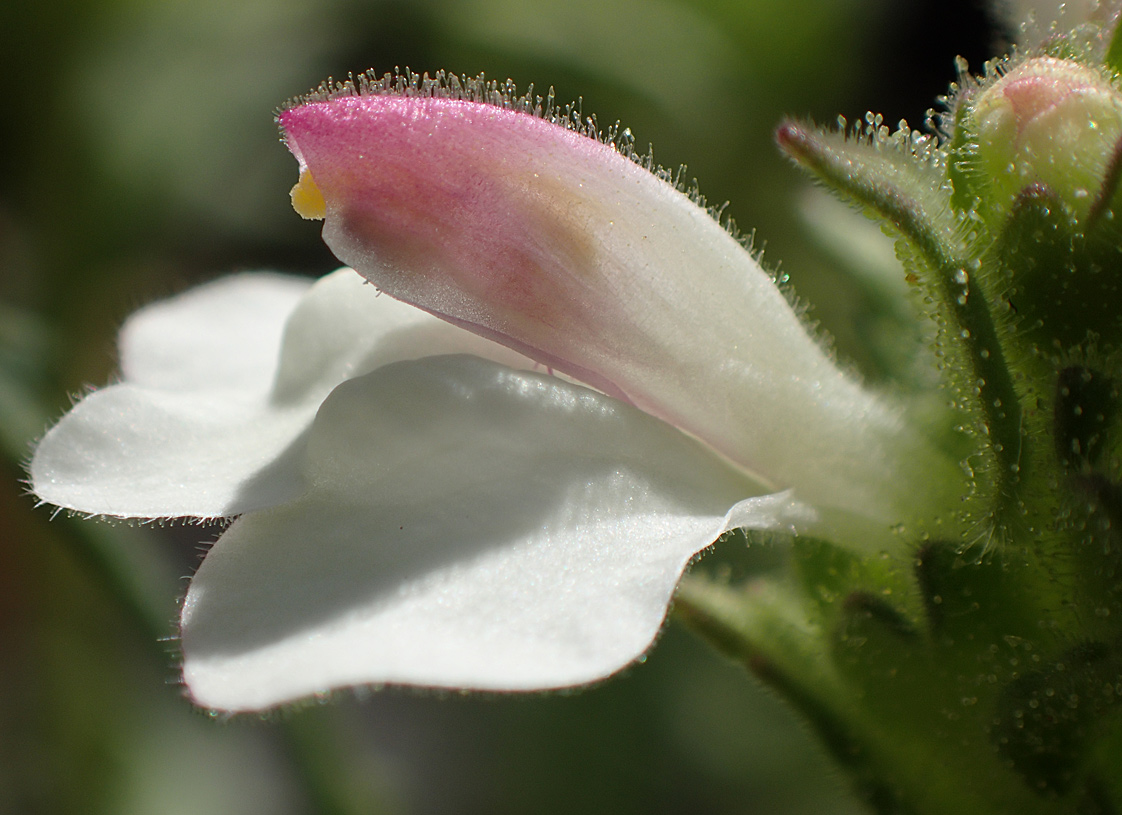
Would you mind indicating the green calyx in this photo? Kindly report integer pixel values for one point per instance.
(976, 665)
(940, 681)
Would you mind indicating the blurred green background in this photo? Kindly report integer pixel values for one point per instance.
(140, 156)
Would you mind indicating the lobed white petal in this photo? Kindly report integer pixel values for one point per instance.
(467, 526)
(219, 386)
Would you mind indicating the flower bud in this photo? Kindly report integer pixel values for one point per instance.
(1051, 122)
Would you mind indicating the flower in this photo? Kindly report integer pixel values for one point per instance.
(418, 502)
(557, 245)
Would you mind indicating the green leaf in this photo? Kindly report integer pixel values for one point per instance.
(899, 178)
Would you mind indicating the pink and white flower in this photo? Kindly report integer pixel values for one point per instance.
(419, 502)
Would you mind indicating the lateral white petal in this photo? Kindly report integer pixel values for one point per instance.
(221, 336)
(220, 385)
(467, 526)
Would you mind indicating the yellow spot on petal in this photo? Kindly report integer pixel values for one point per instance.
(307, 200)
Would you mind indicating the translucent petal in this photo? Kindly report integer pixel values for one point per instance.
(222, 336)
(220, 385)
(562, 248)
(468, 526)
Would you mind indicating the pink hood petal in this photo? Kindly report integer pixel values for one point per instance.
(557, 245)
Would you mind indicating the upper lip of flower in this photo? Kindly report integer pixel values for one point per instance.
(559, 246)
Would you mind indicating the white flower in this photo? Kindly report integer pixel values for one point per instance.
(421, 505)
